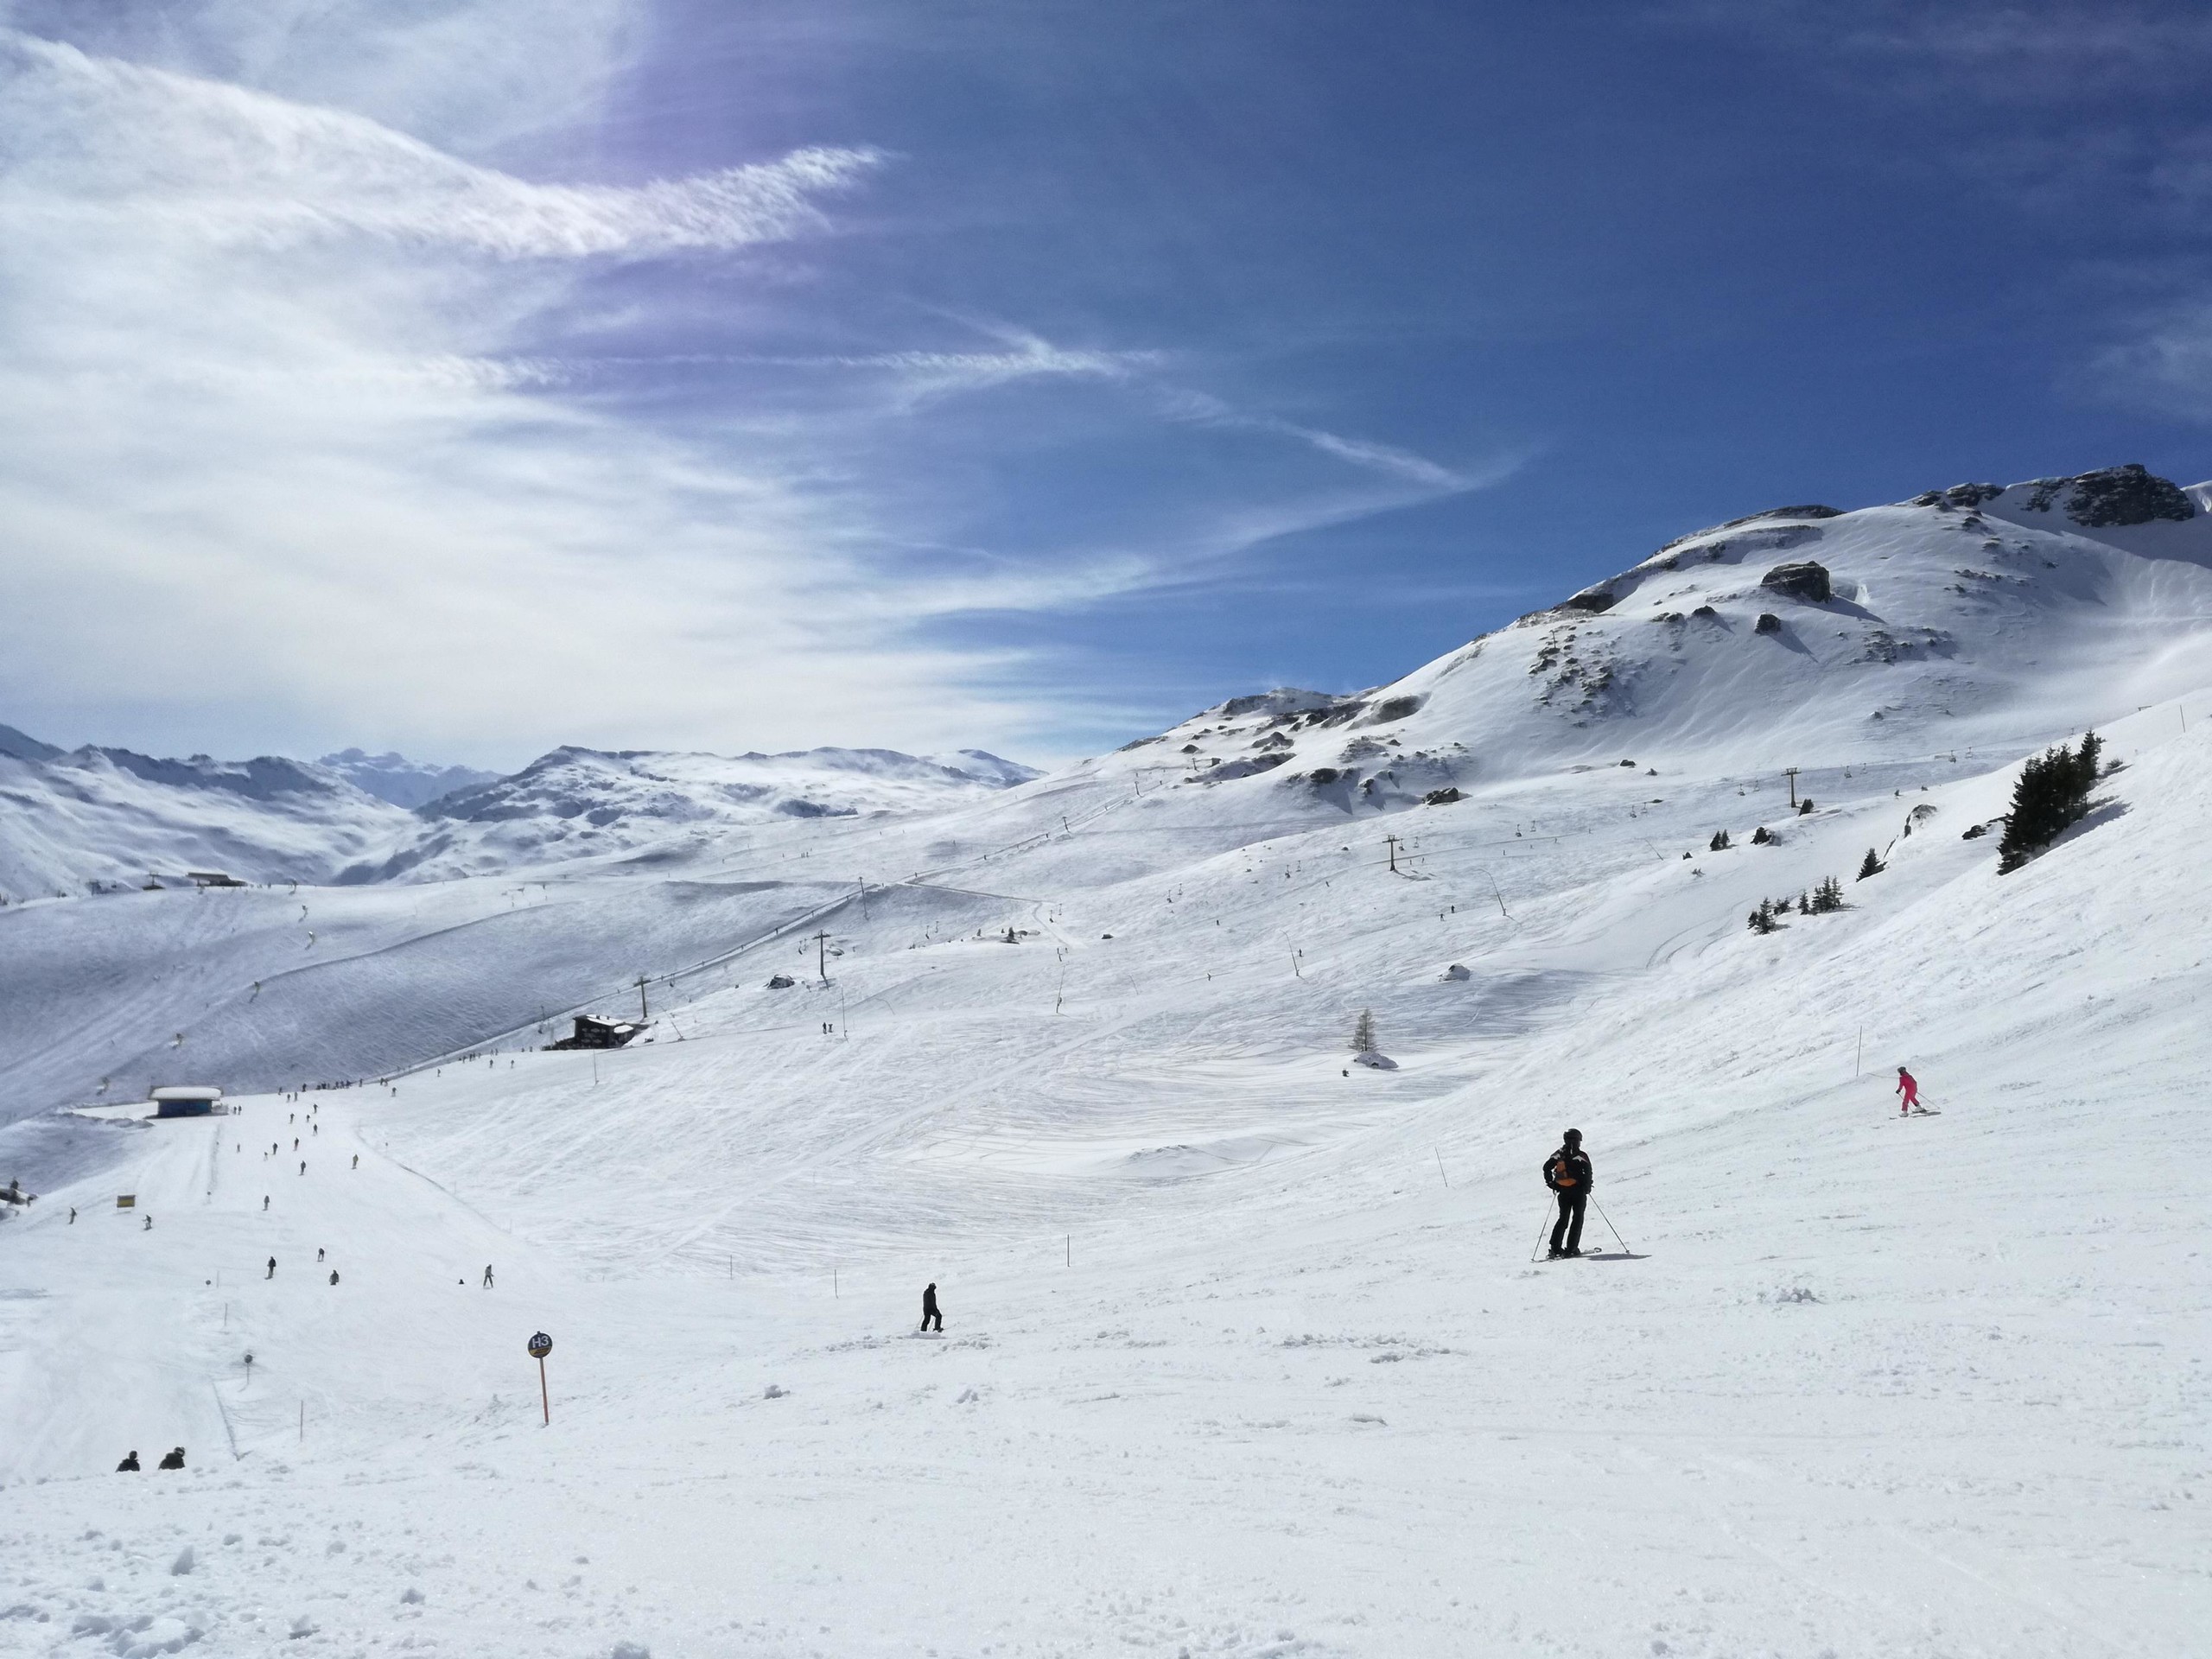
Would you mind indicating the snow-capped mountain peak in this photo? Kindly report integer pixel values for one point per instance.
(1980, 615)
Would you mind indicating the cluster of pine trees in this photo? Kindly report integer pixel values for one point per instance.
(2052, 795)
(1829, 896)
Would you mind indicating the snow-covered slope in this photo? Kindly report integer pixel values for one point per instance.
(393, 777)
(96, 819)
(1244, 1352)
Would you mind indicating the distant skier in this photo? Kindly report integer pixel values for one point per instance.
(72, 1215)
(1567, 1172)
(173, 1458)
(333, 1276)
(1909, 1088)
(130, 1464)
(265, 1204)
(931, 1317)
(488, 1275)
(357, 1160)
(303, 1166)
(149, 1227)
(271, 1274)
(318, 1253)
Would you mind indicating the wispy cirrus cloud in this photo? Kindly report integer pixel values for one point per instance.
(417, 446)
(195, 156)
(258, 392)
(1418, 471)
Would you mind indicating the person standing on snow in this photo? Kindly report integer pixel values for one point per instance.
(1567, 1172)
(930, 1315)
(271, 1274)
(130, 1464)
(488, 1275)
(1909, 1088)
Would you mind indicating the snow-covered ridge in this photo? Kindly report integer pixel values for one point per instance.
(1982, 615)
(93, 819)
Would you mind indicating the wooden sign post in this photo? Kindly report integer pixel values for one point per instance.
(540, 1345)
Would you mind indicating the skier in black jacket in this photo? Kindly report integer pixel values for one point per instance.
(930, 1315)
(1566, 1172)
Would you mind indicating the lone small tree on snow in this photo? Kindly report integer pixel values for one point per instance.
(1870, 865)
(1362, 1033)
(1762, 920)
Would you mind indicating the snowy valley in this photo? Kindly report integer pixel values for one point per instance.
(1247, 1350)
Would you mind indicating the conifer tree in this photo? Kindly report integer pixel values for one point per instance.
(2052, 795)
(1362, 1033)
(1870, 865)
(2086, 765)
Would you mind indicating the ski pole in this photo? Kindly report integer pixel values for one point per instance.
(1609, 1227)
(1539, 1250)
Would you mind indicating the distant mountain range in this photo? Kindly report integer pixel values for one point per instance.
(95, 819)
(394, 777)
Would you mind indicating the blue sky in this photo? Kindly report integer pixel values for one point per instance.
(471, 376)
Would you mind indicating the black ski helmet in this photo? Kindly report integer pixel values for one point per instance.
(1574, 1137)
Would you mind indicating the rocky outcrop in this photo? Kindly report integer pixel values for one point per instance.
(1768, 623)
(1806, 580)
(1959, 495)
(2111, 496)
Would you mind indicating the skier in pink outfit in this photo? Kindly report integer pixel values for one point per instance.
(1908, 1088)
